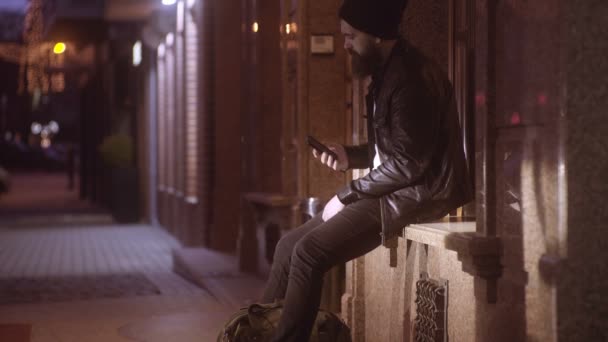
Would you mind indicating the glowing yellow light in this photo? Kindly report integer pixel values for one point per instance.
(256, 27)
(288, 28)
(59, 48)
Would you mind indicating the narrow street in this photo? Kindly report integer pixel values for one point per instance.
(87, 282)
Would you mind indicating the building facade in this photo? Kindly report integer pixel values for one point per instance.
(233, 88)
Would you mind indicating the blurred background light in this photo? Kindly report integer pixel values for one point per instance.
(59, 48)
(169, 39)
(137, 53)
(54, 127)
(36, 128)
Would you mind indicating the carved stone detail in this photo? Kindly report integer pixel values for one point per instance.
(480, 257)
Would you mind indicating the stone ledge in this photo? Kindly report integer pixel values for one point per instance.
(435, 234)
(479, 255)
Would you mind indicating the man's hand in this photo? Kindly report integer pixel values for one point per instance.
(340, 164)
(332, 207)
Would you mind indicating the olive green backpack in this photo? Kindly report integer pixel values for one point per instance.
(259, 321)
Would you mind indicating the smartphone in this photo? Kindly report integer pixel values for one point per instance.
(314, 143)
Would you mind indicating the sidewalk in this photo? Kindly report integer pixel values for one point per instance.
(35, 193)
(158, 306)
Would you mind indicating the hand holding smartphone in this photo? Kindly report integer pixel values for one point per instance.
(317, 145)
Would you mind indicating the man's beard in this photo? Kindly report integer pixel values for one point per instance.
(366, 64)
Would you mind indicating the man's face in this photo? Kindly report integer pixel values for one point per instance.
(363, 48)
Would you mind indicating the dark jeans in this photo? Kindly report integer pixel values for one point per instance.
(303, 256)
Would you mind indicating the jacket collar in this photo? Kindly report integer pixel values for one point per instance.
(399, 49)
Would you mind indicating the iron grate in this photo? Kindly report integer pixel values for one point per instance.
(430, 324)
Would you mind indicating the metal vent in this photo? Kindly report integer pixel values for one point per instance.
(430, 324)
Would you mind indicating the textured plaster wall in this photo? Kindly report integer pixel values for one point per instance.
(528, 66)
(425, 25)
(583, 282)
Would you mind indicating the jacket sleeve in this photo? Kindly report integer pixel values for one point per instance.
(414, 128)
(358, 156)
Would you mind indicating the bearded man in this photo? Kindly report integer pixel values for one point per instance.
(415, 154)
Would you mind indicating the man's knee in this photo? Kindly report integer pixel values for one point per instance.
(283, 250)
(307, 253)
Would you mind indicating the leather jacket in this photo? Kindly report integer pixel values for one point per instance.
(423, 173)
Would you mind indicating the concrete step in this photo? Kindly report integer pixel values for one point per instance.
(218, 274)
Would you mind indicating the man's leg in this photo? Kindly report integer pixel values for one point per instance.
(351, 233)
(276, 284)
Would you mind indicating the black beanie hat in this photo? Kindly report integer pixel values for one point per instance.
(379, 18)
